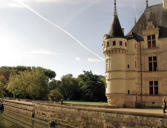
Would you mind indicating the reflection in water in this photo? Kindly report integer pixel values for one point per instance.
(9, 120)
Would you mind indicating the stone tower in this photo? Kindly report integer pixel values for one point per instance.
(115, 49)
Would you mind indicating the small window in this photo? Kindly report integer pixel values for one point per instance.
(108, 44)
(128, 66)
(152, 62)
(150, 58)
(153, 87)
(151, 82)
(155, 82)
(114, 43)
(148, 37)
(125, 44)
(128, 91)
(151, 41)
(120, 43)
(153, 37)
(154, 58)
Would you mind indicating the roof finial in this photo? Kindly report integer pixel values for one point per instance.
(146, 3)
(115, 7)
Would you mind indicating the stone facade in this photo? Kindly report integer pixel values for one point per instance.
(136, 64)
(165, 4)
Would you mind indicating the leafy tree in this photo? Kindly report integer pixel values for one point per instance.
(54, 84)
(49, 73)
(92, 87)
(4, 79)
(69, 87)
(21, 68)
(29, 84)
(7, 71)
(55, 95)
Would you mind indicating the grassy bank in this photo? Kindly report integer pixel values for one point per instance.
(87, 103)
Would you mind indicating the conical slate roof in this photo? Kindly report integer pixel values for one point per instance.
(116, 30)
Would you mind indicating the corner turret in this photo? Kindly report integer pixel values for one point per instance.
(115, 50)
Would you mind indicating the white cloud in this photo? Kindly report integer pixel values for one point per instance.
(9, 4)
(40, 52)
(77, 58)
(92, 60)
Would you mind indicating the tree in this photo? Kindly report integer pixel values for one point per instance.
(92, 86)
(29, 84)
(4, 79)
(54, 84)
(49, 73)
(55, 95)
(69, 87)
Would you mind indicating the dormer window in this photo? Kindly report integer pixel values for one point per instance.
(151, 40)
(114, 43)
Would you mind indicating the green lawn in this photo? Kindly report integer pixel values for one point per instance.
(87, 103)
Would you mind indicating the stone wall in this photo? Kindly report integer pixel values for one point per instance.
(86, 117)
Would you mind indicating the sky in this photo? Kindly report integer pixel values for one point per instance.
(62, 35)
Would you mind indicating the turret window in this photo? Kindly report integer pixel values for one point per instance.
(108, 44)
(151, 40)
(120, 43)
(114, 43)
(125, 44)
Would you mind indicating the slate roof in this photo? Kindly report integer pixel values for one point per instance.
(116, 30)
(158, 15)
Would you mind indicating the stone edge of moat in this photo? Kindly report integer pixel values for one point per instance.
(106, 109)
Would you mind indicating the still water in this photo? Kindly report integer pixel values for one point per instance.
(8, 120)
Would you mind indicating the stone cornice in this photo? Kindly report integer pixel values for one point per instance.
(115, 51)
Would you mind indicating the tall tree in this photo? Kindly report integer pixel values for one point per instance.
(92, 86)
(54, 84)
(29, 84)
(69, 87)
